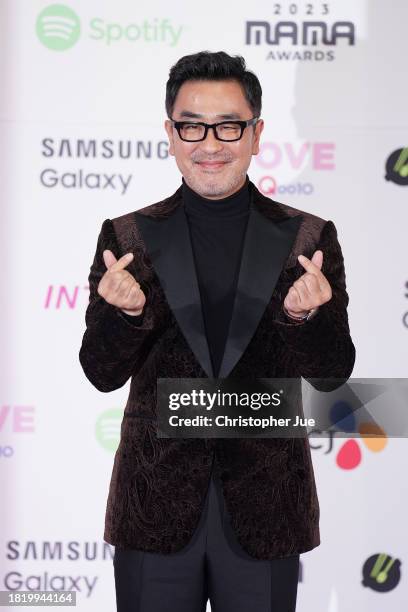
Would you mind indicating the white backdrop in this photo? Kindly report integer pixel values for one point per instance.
(83, 88)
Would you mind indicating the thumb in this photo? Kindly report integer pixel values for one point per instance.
(317, 259)
(109, 258)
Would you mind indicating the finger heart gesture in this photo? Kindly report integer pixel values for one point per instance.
(309, 291)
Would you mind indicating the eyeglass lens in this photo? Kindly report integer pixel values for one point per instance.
(226, 131)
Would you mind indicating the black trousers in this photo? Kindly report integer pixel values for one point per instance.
(213, 566)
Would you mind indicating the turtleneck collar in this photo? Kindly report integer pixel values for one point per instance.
(233, 205)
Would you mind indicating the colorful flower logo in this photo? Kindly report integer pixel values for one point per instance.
(372, 435)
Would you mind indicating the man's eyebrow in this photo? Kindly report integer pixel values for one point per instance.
(190, 115)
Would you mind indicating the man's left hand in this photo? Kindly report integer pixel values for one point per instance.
(309, 291)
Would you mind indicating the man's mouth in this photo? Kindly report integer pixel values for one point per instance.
(211, 164)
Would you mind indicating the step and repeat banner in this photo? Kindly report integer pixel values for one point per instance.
(82, 140)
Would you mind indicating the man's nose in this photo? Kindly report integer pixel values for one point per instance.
(211, 144)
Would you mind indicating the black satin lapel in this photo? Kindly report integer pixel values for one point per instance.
(266, 247)
(169, 247)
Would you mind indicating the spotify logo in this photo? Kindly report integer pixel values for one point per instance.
(58, 27)
(108, 429)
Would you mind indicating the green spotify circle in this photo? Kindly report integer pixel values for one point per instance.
(108, 429)
(58, 27)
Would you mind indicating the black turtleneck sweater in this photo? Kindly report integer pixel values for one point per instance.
(217, 230)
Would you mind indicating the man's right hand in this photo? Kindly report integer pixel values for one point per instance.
(118, 287)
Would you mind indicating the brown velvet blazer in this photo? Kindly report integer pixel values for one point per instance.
(158, 485)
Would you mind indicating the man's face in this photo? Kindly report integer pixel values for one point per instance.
(213, 168)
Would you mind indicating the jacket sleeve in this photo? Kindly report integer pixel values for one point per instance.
(113, 348)
(322, 347)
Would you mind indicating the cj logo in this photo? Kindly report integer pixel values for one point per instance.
(381, 572)
(58, 27)
(374, 438)
(397, 167)
(108, 429)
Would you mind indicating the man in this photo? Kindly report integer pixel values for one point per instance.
(219, 281)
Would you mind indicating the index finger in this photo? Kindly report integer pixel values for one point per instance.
(308, 265)
(313, 269)
(121, 263)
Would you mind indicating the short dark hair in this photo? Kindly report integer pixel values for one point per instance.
(208, 66)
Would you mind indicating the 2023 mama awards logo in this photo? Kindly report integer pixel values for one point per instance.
(58, 28)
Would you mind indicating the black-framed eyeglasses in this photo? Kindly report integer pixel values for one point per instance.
(227, 131)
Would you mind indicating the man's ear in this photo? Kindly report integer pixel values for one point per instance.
(169, 129)
(258, 129)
